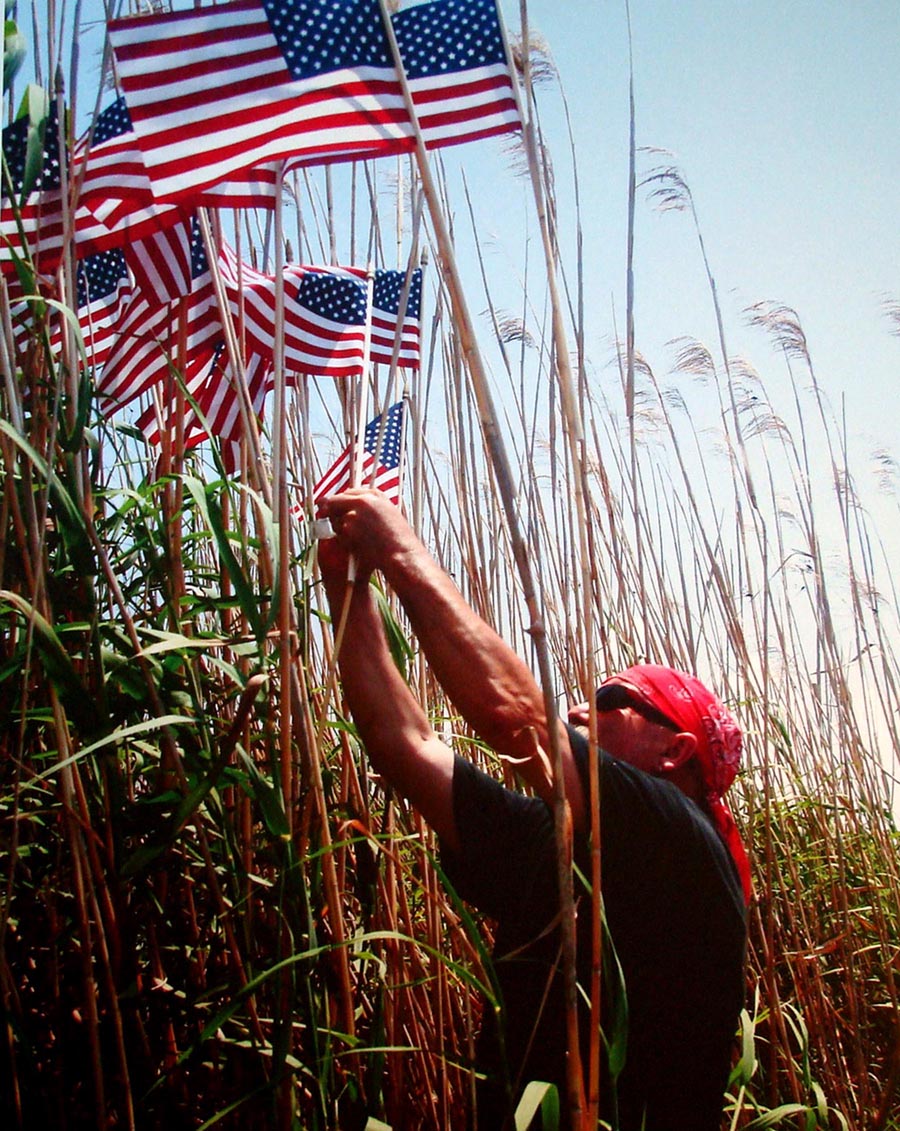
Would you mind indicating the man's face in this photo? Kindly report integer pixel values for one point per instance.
(626, 734)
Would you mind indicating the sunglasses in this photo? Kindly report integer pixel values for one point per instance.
(614, 697)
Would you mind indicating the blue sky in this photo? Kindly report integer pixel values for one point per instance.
(782, 116)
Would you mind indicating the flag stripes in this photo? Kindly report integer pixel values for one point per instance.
(210, 94)
(214, 92)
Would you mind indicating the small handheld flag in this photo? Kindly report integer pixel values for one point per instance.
(386, 467)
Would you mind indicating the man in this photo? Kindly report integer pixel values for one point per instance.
(672, 863)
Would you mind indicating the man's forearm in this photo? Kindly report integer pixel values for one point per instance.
(489, 684)
(392, 726)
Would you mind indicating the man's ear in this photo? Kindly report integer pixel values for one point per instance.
(682, 749)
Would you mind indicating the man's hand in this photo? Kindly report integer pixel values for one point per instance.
(368, 526)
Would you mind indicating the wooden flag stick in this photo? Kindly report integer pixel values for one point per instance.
(235, 359)
(575, 435)
(295, 699)
(537, 631)
(398, 335)
(282, 511)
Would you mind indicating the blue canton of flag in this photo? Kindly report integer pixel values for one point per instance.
(104, 289)
(199, 262)
(455, 58)
(447, 36)
(100, 275)
(321, 36)
(389, 287)
(339, 298)
(113, 167)
(40, 208)
(393, 434)
(217, 91)
(324, 322)
(386, 323)
(15, 150)
(112, 122)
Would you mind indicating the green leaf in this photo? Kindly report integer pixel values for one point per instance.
(15, 48)
(401, 650)
(538, 1094)
(175, 641)
(209, 508)
(73, 441)
(268, 798)
(776, 1115)
(54, 657)
(35, 106)
(746, 1066)
(615, 1036)
(113, 738)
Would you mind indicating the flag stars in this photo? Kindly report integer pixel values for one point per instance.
(100, 275)
(340, 298)
(316, 38)
(445, 37)
(112, 122)
(388, 289)
(15, 143)
(393, 432)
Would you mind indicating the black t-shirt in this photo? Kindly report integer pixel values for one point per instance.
(675, 916)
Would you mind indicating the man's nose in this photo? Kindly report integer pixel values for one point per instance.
(578, 715)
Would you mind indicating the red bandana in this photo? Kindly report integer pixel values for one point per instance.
(693, 708)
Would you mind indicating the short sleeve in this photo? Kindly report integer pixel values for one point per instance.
(506, 840)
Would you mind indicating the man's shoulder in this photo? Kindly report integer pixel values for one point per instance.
(505, 837)
(649, 825)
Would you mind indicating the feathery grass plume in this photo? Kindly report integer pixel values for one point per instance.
(887, 470)
(783, 326)
(891, 307)
(541, 64)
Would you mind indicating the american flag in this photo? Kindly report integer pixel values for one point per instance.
(112, 169)
(455, 60)
(217, 411)
(116, 187)
(161, 262)
(155, 335)
(103, 290)
(324, 325)
(325, 317)
(386, 295)
(42, 214)
(40, 208)
(382, 473)
(217, 91)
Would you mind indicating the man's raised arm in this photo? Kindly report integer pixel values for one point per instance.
(391, 725)
(491, 687)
